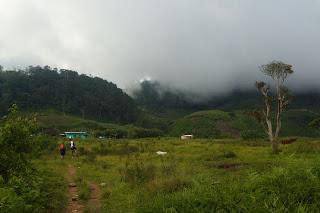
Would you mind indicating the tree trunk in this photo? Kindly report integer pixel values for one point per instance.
(274, 146)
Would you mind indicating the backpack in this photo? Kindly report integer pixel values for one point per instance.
(61, 146)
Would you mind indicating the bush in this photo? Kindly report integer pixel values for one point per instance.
(35, 192)
(22, 187)
(10, 201)
(16, 144)
(42, 143)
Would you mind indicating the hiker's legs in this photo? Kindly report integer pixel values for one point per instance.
(73, 151)
(62, 153)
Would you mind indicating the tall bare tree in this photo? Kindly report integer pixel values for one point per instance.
(278, 98)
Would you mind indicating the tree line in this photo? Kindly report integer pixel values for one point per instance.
(66, 91)
(154, 96)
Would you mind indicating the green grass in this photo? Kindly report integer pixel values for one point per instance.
(221, 124)
(213, 124)
(53, 123)
(60, 121)
(203, 124)
(202, 175)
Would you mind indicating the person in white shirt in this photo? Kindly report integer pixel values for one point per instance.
(72, 147)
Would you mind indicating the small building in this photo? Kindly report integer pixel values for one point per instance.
(81, 135)
(186, 137)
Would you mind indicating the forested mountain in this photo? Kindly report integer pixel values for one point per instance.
(65, 90)
(153, 96)
(37, 88)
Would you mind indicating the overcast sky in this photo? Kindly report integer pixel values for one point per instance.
(205, 46)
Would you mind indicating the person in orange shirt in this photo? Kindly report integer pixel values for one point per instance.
(62, 149)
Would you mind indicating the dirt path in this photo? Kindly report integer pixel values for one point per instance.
(74, 205)
(94, 202)
(73, 202)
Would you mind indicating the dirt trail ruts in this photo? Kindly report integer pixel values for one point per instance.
(73, 201)
(94, 202)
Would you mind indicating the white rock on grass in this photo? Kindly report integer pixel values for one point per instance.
(161, 153)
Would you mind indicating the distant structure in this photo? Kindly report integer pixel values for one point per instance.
(186, 137)
(81, 135)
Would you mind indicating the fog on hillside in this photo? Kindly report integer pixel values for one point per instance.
(208, 47)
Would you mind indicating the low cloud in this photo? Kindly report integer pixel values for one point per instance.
(206, 47)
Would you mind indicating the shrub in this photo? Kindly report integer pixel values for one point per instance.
(16, 143)
(10, 201)
(34, 192)
(42, 143)
(22, 187)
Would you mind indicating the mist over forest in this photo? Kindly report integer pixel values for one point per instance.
(207, 48)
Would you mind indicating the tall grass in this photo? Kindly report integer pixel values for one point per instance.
(283, 190)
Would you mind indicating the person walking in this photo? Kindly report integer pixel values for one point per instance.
(62, 149)
(72, 147)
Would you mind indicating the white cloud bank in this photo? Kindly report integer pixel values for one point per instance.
(205, 46)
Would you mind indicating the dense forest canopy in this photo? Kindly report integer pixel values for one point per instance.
(36, 88)
(154, 96)
(65, 90)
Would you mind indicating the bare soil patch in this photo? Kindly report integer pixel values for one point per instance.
(94, 202)
(73, 202)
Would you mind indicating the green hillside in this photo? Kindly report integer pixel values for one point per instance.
(41, 88)
(156, 97)
(296, 123)
(53, 123)
(220, 124)
(69, 122)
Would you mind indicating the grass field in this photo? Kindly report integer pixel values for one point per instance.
(195, 176)
(203, 124)
(223, 124)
